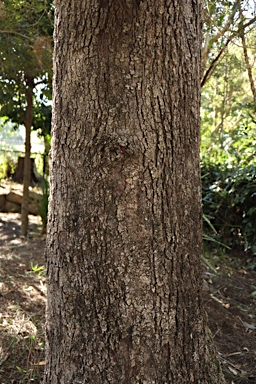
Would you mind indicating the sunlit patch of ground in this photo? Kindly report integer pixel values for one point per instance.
(22, 301)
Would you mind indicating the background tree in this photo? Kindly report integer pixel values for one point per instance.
(222, 25)
(124, 240)
(228, 123)
(228, 106)
(25, 51)
(246, 56)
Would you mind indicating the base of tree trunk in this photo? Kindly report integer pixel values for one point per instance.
(19, 172)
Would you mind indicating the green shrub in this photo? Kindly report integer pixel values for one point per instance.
(39, 163)
(229, 200)
(7, 166)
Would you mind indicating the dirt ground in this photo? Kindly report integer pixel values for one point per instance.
(230, 302)
(22, 301)
(229, 294)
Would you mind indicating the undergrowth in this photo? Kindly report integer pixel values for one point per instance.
(229, 204)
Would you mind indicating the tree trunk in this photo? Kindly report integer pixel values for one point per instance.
(124, 237)
(47, 147)
(19, 172)
(26, 174)
(246, 56)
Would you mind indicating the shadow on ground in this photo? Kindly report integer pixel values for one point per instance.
(22, 301)
(229, 296)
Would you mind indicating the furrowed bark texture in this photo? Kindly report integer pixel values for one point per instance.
(124, 237)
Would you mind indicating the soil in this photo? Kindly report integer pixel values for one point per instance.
(230, 302)
(229, 295)
(22, 301)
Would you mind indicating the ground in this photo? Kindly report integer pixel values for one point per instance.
(230, 298)
(229, 295)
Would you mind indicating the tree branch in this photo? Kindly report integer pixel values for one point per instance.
(207, 47)
(15, 33)
(236, 33)
(246, 56)
(213, 63)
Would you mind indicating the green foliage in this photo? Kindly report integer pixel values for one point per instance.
(216, 13)
(7, 166)
(42, 117)
(228, 145)
(224, 21)
(229, 194)
(3, 167)
(39, 269)
(228, 112)
(26, 59)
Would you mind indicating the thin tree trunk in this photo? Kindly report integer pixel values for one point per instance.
(246, 57)
(209, 42)
(47, 147)
(124, 238)
(27, 173)
(207, 74)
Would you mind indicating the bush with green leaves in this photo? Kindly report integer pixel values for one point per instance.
(7, 166)
(229, 202)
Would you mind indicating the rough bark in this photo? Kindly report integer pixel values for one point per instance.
(124, 235)
(26, 174)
